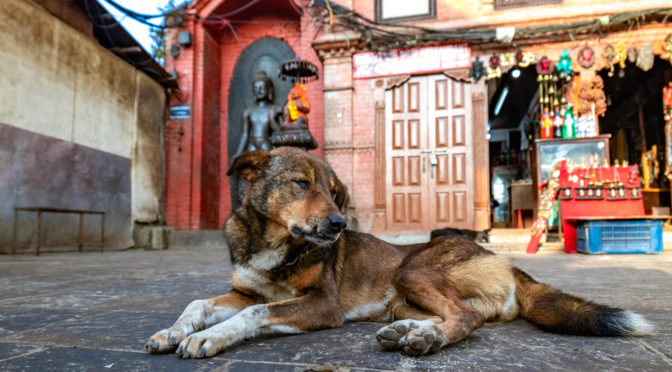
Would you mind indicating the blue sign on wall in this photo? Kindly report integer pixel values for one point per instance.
(180, 112)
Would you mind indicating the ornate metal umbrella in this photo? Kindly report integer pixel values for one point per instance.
(298, 70)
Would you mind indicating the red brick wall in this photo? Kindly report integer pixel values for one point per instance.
(211, 158)
(362, 139)
(178, 144)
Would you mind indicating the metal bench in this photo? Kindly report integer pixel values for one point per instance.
(38, 224)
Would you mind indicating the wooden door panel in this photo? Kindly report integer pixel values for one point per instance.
(414, 177)
(415, 208)
(414, 96)
(406, 195)
(451, 188)
(459, 173)
(398, 171)
(442, 207)
(441, 94)
(398, 100)
(399, 208)
(442, 131)
(458, 131)
(460, 206)
(442, 170)
(429, 113)
(413, 134)
(398, 135)
(458, 94)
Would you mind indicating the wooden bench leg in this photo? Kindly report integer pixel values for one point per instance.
(16, 223)
(38, 227)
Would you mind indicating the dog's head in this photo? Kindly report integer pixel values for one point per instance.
(295, 190)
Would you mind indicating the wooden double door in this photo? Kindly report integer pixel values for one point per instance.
(429, 155)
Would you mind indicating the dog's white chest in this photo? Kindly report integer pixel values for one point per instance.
(250, 278)
(268, 259)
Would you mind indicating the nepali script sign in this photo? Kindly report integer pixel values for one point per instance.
(411, 61)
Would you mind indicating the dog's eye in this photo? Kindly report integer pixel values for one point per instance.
(303, 184)
(333, 194)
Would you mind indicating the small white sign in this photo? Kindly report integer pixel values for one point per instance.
(411, 61)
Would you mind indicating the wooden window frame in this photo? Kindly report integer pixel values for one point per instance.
(380, 19)
(502, 5)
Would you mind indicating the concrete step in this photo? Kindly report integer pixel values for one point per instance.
(207, 240)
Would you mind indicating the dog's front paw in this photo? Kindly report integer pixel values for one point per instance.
(164, 341)
(201, 345)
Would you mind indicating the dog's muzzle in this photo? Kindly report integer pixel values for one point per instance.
(325, 231)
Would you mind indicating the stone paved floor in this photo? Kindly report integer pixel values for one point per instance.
(93, 311)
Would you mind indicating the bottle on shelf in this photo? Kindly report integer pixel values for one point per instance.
(557, 122)
(546, 126)
(569, 129)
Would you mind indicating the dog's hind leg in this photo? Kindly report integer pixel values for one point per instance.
(198, 315)
(431, 291)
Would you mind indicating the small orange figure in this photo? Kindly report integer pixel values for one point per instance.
(297, 108)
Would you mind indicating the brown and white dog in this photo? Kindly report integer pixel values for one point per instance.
(295, 269)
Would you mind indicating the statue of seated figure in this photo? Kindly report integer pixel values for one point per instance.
(295, 128)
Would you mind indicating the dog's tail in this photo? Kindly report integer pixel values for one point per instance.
(552, 310)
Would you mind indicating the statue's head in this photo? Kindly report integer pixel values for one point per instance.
(262, 87)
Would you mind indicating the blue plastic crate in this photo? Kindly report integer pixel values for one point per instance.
(625, 237)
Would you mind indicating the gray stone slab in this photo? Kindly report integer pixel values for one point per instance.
(505, 347)
(76, 359)
(88, 311)
(11, 350)
(14, 320)
(118, 330)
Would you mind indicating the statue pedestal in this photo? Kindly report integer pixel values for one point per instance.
(300, 138)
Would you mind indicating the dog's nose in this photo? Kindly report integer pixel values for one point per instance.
(336, 223)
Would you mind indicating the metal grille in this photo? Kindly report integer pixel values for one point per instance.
(508, 4)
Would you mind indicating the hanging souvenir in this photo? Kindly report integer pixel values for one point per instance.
(609, 54)
(507, 60)
(545, 66)
(494, 68)
(586, 57)
(632, 55)
(564, 64)
(524, 59)
(476, 70)
(645, 57)
(667, 102)
(667, 49)
(621, 56)
(592, 100)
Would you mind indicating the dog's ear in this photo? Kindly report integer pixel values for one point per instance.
(250, 165)
(341, 197)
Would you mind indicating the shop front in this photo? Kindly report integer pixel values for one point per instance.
(597, 102)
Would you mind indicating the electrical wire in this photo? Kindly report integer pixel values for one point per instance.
(233, 12)
(134, 13)
(383, 37)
